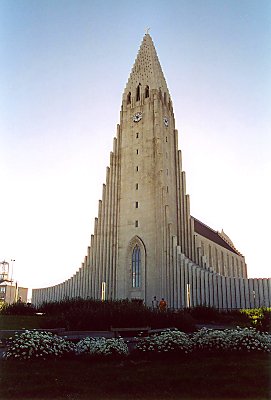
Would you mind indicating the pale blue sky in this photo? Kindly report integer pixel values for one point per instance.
(63, 68)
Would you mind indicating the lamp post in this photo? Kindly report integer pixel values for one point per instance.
(12, 261)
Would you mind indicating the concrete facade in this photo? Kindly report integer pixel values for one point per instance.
(11, 293)
(145, 241)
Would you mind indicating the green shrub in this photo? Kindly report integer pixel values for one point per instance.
(19, 308)
(79, 314)
(260, 318)
(205, 314)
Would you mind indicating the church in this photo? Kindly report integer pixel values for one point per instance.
(145, 241)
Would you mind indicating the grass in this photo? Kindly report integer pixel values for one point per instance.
(9, 322)
(239, 376)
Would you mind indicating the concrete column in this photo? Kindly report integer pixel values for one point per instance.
(257, 295)
(175, 269)
(215, 289)
(211, 289)
(207, 287)
(184, 227)
(261, 295)
(178, 189)
(265, 293)
(189, 233)
(179, 266)
(95, 262)
(224, 292)
(269, 290)
(92, 268)
(242, 293)
(182, 280)
(219, 292)
(198, 287)
(116, 179)
(194, 285)
(229, 295)
(233, 295)
(202, 288)
(246, 291)
(237, 293)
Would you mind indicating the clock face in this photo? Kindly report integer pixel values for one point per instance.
(166, 121)
(137, 117)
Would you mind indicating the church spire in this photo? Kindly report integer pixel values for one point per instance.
(146, 73)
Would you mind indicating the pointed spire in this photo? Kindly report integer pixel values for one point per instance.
(146, 70)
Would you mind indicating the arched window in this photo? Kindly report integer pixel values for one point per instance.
(147, 92)
(138, 92)
(136, 267)
(129, 98)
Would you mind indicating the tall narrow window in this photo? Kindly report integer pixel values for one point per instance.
(136, 223)
(136, 204)
(147, 92)
(129, 98)
(136, 151)
(137, 168)
(136, 186)
(137, 135)
(138, 93)
(136, 267)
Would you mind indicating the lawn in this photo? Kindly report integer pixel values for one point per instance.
(234, 376)
(8, 322)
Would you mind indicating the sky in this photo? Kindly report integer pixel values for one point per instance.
(63, 68)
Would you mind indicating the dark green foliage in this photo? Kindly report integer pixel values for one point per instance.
(17, 322)
(79, 314)
(225, 317)
(18, 308)
(205, 314)
(260, 318)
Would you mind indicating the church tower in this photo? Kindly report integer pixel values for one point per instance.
(145, 241)
(151, 186)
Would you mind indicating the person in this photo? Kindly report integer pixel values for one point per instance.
(162, 305)
(155, 304)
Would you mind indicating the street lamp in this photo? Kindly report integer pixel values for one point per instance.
(12, 261)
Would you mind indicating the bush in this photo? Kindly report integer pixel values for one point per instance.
(205, 314)
(79, 314)
(168, 341)
(35, 344)
(211, 340)
(239, 339)
(249, 339)
(260, 318)
(102, 347)
(19, 308)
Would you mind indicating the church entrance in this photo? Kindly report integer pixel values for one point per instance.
(136, 269)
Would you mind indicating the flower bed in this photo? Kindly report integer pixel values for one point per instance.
(102, 347)
(168, 341)
(211, 340)
(36, 344)
(239, 339)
